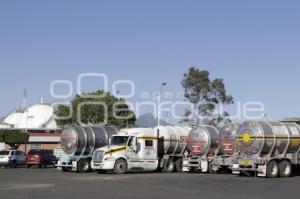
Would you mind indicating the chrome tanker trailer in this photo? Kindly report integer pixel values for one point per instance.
(172, 147)
(78, 144)
(270, 149)
(143, 149)
(210, 149)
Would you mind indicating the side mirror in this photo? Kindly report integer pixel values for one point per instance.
(135, 145)
(138, 147)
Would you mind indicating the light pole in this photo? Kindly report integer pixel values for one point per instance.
(158, 102)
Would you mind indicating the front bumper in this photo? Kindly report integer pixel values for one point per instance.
(33, 162)
(66, 162)
(106, 165)
(4, 162)
(195, 164)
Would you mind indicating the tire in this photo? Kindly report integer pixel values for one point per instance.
(285, 169)
(40, 166)
(28, 166)
(272, 169)
(84, 166)
(169, 166)
(120, 167)
(178, 165)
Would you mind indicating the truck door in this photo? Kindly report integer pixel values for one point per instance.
(134, 157)
(150, 154)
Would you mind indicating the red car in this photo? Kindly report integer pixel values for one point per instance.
(41, 157)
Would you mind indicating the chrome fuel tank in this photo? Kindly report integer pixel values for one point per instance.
(83, 140)
(203, 140)
(268, 138)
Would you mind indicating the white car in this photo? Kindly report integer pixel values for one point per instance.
(12, 158)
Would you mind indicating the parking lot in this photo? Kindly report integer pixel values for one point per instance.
(50, 183)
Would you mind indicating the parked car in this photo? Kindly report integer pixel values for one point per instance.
(12, 158)
(40, 157)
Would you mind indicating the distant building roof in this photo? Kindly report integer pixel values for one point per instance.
(44, 139)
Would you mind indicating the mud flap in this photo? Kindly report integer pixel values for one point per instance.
(74, 165)
(236, 169)
(262, 171)
(58, 165)
(204, 166)
(185, 167)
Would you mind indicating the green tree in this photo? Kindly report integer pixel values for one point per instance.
(93, 111)
(13, 137)
(206, 96)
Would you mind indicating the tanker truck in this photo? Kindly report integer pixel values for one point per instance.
(210, 149)
(269, 149)
(143, 149)
(78, 144)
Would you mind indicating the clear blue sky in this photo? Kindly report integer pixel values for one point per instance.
(253, 45)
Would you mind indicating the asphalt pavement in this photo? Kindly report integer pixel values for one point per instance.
(50, 183)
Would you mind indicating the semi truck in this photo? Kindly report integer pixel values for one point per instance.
(210, 149)
(78, 144)
(267, 149)
(143, 149)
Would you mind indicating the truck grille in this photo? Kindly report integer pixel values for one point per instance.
(98, 156)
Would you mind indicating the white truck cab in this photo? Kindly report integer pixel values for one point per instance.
(131, 149)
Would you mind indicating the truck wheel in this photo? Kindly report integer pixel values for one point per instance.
(120, 167)
(285, 169)
(178, 165)
(272, 169)
(84, 166)
(169, 166)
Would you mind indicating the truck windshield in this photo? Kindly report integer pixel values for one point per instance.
(119, 140)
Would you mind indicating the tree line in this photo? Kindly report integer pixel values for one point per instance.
(204, 93)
